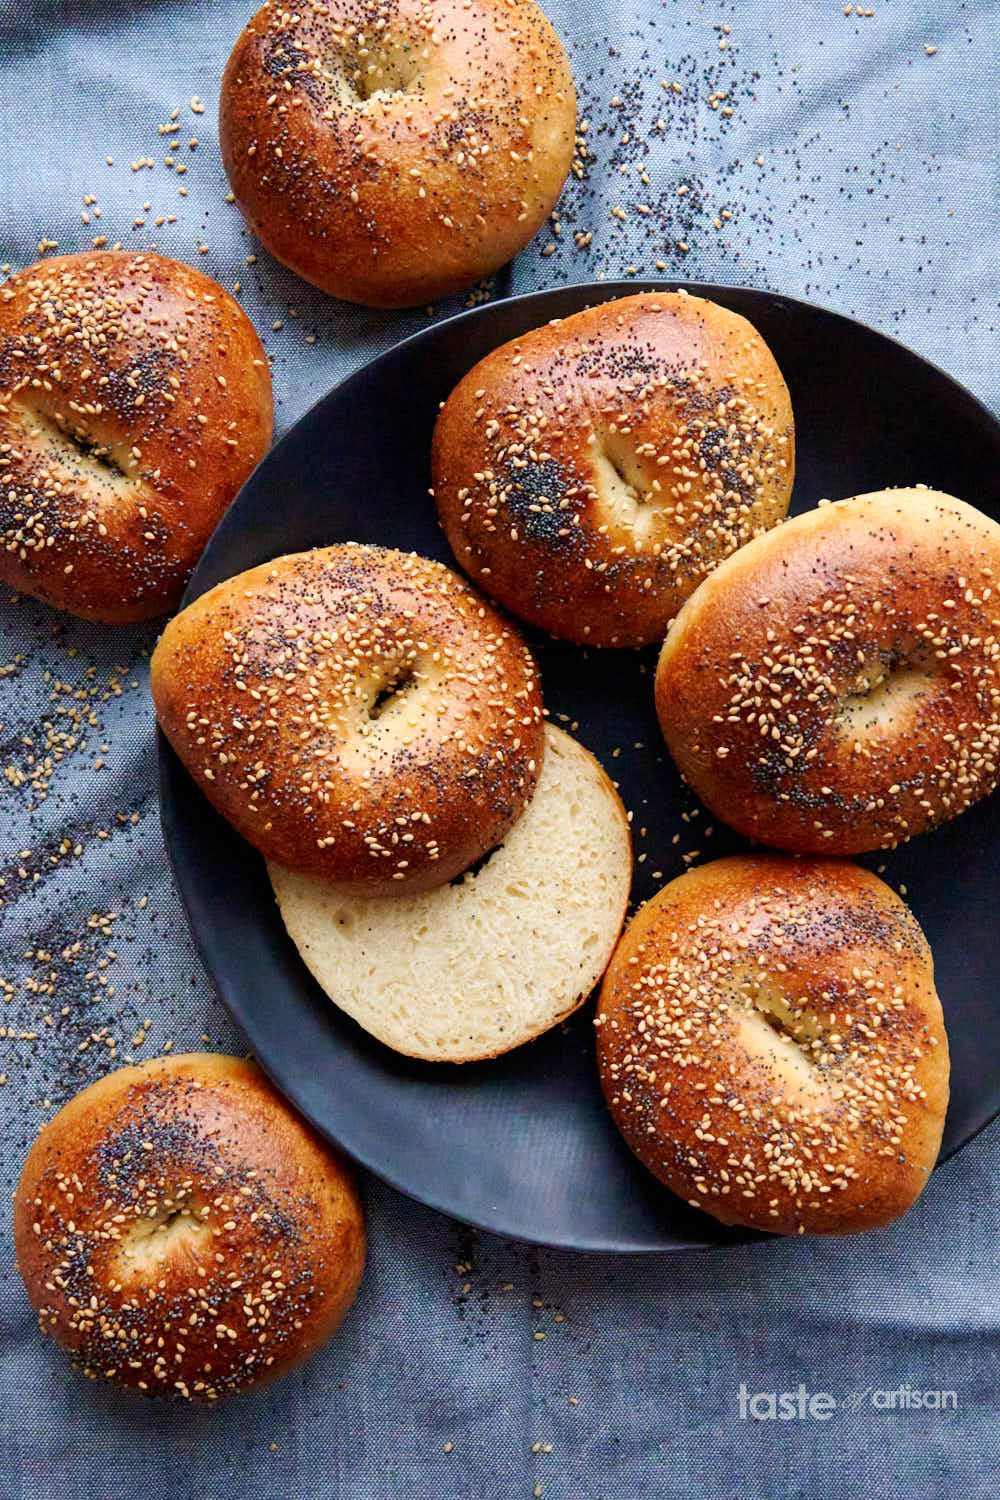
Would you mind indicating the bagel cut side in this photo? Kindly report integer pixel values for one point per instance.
(477, 967)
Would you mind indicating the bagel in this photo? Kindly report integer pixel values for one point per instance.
(590, 474)
(479, 966)
(182, 1233)
(356, 713)
(393, 151)
(834, 686)
(771, 1045)
(135, 398)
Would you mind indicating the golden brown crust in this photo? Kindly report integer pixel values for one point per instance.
(771, 1045)
(356, 713)
(135, 398)
(182, 1232)
(834, 687)
(590, 474)
(392, 151)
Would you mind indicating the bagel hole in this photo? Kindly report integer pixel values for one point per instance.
(177, 1225)
(391, 690)
(363, 73)
(768, 1017)
(626, 494)
(92, 451)
(892, 682)
(56, 435)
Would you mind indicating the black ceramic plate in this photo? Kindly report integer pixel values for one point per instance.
(523, 1145)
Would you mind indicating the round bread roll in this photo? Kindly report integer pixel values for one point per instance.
(181, 1232)
(771, 1045)
(356, 713)
(479, 966)
(834, 687)
(590, 474)
(393, 152)
(135, 398)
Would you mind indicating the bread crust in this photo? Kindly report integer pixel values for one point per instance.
(772, 1047)
(391, 152)
(181, 1232)
(834, 686)
(135, 398)
(356, 713)
(590, 474)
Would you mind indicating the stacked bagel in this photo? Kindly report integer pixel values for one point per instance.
(374, 727)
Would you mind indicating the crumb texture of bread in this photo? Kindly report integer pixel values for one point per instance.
(474, 968)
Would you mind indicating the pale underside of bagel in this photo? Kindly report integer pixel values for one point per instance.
(477, 967)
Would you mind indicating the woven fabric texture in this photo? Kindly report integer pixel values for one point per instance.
(839, 153)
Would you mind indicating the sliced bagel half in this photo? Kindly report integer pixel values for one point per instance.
(475, 968)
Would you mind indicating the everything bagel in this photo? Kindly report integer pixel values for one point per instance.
(135, 398)
(835, 685)
(590, 474)
(392, 151)
(183, 1233)
(771, 1045)
(356, 713)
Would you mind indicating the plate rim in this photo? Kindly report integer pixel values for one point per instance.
(169, 764)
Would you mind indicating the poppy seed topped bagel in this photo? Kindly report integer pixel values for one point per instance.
(771, 1045)
(835, 685)
(356, 713)
(135, 398)
(591, 473)
(392, 151)
(182, 1232)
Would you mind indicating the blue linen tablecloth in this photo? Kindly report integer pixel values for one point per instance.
(840, 153)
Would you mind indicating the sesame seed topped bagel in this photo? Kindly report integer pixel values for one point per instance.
(183, 1233)
(392, 151)
(135, 398)
(590, 474)
(834, 686)
(771, 1045)
(356, 713)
